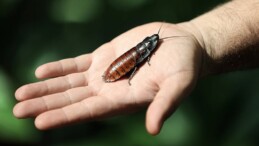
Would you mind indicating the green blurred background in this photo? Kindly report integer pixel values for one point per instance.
(223, 110)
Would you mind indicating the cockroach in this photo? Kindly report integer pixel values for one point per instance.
(130, 60)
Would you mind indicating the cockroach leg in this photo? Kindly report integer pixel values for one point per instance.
(148, 60)
(132, 74)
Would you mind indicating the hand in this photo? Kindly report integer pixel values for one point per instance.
(76, 91)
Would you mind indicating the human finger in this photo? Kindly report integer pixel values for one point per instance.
(91, 108)
(51, 86)
(165, 103)
(64, 67)
(33, 107)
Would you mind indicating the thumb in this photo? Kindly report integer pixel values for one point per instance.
(164, 104)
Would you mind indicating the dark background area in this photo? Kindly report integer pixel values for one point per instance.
(222, 110)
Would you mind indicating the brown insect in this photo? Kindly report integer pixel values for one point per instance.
(132, 58)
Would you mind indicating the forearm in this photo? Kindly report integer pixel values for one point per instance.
(229, 36)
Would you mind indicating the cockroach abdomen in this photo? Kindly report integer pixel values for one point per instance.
(121, 66)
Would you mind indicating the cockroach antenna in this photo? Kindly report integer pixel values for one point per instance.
(160, 28)
(170, 37)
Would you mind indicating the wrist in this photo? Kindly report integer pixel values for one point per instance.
(194, 30)
(229, 36)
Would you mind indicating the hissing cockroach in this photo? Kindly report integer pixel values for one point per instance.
(132, 58)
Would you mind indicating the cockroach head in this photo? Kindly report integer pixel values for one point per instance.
(153, 41)
(154, 37)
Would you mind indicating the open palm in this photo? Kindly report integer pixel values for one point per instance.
(76, 91)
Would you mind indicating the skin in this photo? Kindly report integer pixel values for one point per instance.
(76, 91)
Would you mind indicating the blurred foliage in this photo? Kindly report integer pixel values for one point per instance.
(12, 128)
(222, 110)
